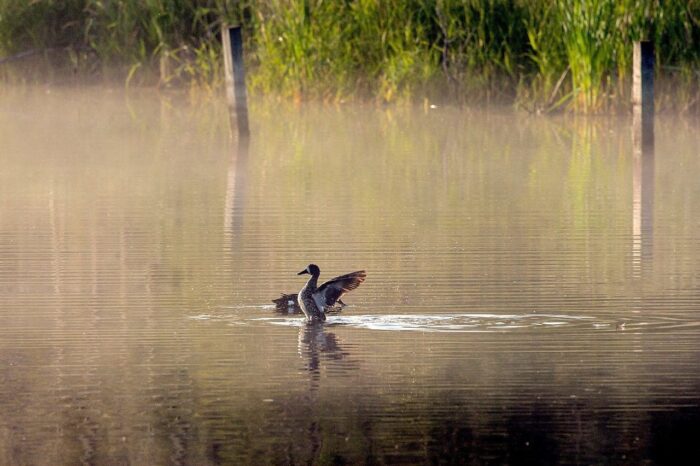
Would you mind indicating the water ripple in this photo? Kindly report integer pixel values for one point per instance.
(470, 322)
(464, 322)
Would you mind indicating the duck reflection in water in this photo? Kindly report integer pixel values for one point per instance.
(315, 344)
(315, 301)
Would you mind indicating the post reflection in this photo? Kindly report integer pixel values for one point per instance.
(236, 188)
(642, 199)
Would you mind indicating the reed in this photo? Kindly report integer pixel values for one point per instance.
(590, 35)
(541, 55)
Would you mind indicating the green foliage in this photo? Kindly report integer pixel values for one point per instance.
(330, 49)
(541, 54)
(25, 25)
(177, 38)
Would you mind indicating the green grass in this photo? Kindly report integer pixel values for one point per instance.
(542, 55)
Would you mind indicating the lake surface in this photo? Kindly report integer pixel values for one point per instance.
(532, 293)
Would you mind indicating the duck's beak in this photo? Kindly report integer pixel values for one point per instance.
(303, 272)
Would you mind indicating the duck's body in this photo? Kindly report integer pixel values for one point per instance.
(315, 300)
(289, 304)
(310, 301)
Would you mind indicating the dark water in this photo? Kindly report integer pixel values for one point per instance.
(532, 293)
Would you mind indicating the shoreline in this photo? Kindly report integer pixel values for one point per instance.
(538, 55)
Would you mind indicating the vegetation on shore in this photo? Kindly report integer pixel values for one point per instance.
(542, 55)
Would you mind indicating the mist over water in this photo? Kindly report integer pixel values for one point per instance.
(530, 296)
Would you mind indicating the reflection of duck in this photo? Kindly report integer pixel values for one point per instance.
(314, 301)
(316, 343)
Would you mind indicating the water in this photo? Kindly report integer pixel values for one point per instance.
(531, 297)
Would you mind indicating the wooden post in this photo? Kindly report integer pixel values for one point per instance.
(643, 94)
(235, 78)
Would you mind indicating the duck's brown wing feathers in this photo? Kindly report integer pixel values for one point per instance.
(333, 289)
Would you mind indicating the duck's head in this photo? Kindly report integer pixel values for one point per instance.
(311, 269)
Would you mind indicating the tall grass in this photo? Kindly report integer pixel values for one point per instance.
(542, 55)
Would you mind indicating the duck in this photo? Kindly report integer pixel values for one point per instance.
(288, 303)
(315, 300)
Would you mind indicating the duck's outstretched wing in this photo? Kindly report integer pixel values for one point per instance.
(333, 289)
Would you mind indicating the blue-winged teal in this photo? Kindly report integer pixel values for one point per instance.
(314, 301)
